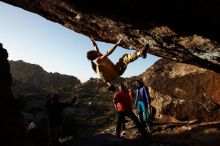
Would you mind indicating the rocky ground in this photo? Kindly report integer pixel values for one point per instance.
(189, 133)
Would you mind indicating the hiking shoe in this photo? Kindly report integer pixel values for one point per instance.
(149, 129)
(144, 51)
(111, 88)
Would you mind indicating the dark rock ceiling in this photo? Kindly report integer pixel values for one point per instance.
(184, 31)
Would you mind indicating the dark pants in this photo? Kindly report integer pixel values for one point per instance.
(120, 117)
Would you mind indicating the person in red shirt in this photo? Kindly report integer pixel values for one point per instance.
(123, 105)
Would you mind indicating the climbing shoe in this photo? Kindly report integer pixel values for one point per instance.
(144, 51)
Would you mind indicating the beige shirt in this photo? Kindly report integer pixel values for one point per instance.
(107, 70)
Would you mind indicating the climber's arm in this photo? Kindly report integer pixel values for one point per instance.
(109, 52)
(94, 44)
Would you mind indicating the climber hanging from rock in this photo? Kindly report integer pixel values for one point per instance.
(105, 68)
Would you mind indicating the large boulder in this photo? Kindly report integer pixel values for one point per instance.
(183, 91)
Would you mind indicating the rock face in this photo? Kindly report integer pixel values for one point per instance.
(12, 124)
(184, 92)
(179, 30)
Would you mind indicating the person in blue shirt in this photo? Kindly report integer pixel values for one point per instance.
(142, 103)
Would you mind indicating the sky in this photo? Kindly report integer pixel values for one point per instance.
(34, 39)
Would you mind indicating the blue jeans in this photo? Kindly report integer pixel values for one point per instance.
(142, 113)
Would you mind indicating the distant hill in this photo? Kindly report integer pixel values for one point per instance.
(28, 76)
